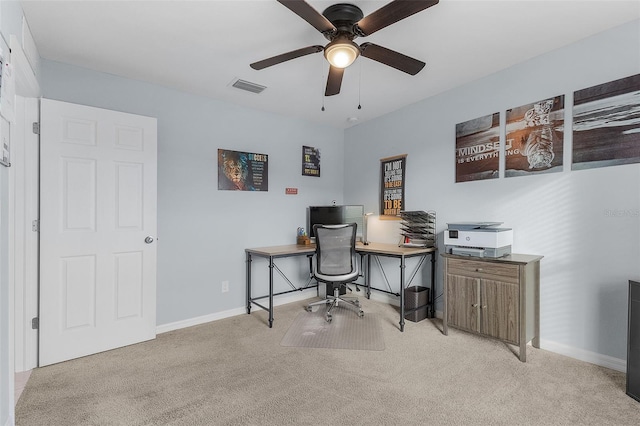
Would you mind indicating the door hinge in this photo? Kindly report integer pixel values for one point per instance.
(35, 323)
(35, 225)
(36, 128)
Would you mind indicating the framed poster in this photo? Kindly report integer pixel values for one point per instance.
(242, 171)
(535, 137)
(392, 174)
(606, 124)
(478, 148)
(310, 161)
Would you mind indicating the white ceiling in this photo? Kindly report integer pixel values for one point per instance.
(203, 46)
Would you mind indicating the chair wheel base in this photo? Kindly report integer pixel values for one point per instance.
(353, 304)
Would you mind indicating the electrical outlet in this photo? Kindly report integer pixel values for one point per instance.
(225, 286)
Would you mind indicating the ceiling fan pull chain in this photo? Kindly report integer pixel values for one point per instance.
(322, 80)
(359, 84)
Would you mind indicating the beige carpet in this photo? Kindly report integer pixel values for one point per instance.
(235, 372)
(345, 331)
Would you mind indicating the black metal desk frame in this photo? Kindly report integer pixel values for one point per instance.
(373, 250)
(272, 253)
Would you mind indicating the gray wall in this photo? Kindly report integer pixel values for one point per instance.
(589, 254)
(202, 232)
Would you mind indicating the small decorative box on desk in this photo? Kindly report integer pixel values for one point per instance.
(494, 297)
(303, 240)
(302, 237)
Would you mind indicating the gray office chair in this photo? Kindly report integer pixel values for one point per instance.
(336, 263)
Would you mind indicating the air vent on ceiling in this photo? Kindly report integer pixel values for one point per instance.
(248, 86)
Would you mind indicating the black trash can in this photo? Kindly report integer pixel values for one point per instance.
(416, 298)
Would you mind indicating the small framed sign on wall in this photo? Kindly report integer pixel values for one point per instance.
(392, 174)
(310, 161)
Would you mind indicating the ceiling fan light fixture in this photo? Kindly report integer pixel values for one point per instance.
(341, 52)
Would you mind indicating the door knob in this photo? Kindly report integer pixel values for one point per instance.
(148, 240)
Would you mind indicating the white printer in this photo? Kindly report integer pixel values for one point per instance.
(480, 239)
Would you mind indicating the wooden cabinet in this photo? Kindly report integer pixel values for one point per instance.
(498, 298)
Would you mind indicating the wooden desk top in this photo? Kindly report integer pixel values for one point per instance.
(393, 250)
(281, 251)
(371, 248)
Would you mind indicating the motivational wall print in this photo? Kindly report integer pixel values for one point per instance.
(310, 161)
(606, 124)
(392, 174)
(242, 171)
(478, 148)
(535, 137)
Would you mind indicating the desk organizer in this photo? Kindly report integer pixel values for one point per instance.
(418, 228)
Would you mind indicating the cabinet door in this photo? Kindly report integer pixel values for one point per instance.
(500, 310)
(463, 300)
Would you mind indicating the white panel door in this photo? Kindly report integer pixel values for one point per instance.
(98, 206)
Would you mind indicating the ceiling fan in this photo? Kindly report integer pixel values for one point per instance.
(341, 24)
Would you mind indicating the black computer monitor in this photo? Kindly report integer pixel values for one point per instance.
(335, 215)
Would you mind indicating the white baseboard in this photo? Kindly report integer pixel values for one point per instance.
(393, 300)
(280, 300)
(584, 355)
(383, 297)
(548, 345)
(559, 348)
(10, 421)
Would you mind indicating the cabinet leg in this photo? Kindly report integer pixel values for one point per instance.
(523, 352)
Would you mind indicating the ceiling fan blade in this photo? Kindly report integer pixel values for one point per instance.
(392, 58)
(286, 57)
(309, 14)
(392, 13)
(334, 81)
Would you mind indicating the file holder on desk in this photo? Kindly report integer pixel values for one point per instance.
(418, 229)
